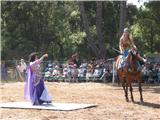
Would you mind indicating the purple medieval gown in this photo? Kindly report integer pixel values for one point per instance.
(35, 90)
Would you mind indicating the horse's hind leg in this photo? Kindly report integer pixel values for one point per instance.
(131, 91)
(140, 90)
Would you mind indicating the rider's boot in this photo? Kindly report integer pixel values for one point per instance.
(142, 60)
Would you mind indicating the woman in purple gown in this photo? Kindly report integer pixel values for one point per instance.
(35, 90)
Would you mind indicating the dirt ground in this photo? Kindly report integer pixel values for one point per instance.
(109, 98)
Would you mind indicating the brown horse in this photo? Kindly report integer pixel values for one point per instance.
(129, 73)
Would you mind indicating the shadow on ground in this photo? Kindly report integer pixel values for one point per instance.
(147, 104)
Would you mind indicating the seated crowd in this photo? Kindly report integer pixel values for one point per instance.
(95, 69)
(75, 70)
(86, 70)
(151, 73)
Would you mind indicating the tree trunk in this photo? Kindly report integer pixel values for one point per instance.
(151, 39)
(122, 17)
(61, 49)
(101, 42)
(90, 40)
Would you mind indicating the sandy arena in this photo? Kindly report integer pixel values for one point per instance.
(110, 100)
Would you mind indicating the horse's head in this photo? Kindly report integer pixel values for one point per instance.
(133, 52)
(133, 59)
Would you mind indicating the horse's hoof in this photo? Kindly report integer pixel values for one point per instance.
(141, 103)
(141, 99)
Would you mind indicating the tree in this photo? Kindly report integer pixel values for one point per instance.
(62, 28)
(122, 16)
(101, 42)
(146, 28)
(90, 39)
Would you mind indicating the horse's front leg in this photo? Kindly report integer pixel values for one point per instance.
(126, 93)
(140, 90)
(131, 91)
(125, 88)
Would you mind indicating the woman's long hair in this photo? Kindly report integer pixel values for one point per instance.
(32, 56)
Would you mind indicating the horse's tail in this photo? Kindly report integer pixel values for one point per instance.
(118, 81)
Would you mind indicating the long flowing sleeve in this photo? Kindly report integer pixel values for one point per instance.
(37, 61)
(36, 69)
(28, 85)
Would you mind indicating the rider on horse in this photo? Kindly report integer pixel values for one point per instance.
(126, 43)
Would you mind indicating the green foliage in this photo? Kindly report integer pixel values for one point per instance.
(55, 27)
(146, 29)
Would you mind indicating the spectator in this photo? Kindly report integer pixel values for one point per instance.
(23, 66)
(56, 71)
(74, 73)
(81, 71)
(97, 71)
(89, 73)
(48, 73)
(75, 60)
(158, 74)
(65, 71)
(21, 69)
(145, 73)
(3, 70)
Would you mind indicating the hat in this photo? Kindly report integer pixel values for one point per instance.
(125, 30)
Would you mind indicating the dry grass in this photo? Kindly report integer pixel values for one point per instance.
(110, 101)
